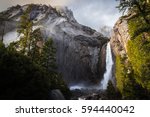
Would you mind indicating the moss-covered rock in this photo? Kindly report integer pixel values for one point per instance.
(132, 68)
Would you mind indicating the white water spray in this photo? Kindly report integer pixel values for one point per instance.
(107, 75)
(109, 64)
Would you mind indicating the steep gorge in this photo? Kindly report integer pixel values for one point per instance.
(85, 58)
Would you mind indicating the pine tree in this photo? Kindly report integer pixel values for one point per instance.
(138, 6)
(2, 46)
(31, 43)
(112, 92)
(12, 46)
(36, 45)
(25, 30)
(48, 58)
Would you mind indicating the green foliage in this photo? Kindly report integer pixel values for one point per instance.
(2, 46)
(139, 55)
(36, 46)
(126, 82)
(48, 59)
(22, 79)
(28, 66)
(48, 62)
(120, 73)
(124, 5)
(133, 72)
(140, 7)
(13, 46)
(112, 93)
(25, 30)
(139, 50)
(58, 83)
(137, 26)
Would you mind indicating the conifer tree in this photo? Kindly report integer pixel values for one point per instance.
(138, 6)
(48, 58)
(25, 30)
(2, 46)
(36, 45)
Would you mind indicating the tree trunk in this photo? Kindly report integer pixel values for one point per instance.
(3, 31)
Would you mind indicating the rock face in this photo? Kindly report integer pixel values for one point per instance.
(78, 47)
(120, 37)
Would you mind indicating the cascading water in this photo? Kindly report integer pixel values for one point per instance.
(96, 91)
(109, 64)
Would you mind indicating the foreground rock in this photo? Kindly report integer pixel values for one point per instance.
(88, 94)
(56, 94)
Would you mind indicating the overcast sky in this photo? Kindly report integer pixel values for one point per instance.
(93, 13)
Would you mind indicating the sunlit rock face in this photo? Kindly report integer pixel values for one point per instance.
(78, 47)
(119, 39)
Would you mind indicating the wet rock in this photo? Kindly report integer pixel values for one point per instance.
(88, 94)
(56, 94)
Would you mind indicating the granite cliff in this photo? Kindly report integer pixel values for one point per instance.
(120, 37)
(130, 45)
(80, 49)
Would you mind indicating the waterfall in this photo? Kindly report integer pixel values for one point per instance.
(108, 72)
(107, 75)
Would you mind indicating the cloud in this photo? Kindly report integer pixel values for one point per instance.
(8, 3)
(4, 4)
(95, 13)
(60, 2)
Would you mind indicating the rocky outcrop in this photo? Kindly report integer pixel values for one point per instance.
(120, 37)
(56, 94)
(79, 48)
